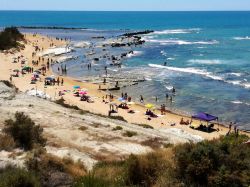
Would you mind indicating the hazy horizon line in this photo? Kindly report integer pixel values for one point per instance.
(130, 10)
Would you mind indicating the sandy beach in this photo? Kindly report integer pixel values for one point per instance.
(98, 107)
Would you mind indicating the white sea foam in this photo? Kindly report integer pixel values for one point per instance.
(169, 87)
(176, 31)
(203, 73)
(242, 38)
(235, 74)
(170, 58)
(181, 42)
(135, 53)
(82, 44)
(189, 70)
(56, 51)
(240, 102)
(65, 58)
(208, 62)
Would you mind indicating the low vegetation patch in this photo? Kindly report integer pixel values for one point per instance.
(117, 128)
(16, 177)
(129, 133)
(83, 128)
(24, 131)
(55, 171)
(7, 143)
(217, 163)
(154, 143)
(120, 118)
(10, 38)
(144, 126)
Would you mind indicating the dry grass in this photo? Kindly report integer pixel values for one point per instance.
(7, 143)
(47, 162)
(154, 143)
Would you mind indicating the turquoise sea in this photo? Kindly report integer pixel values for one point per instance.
(207, 55)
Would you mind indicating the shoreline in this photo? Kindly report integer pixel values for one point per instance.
(98, 107)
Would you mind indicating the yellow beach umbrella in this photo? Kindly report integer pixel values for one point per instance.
(149, 106)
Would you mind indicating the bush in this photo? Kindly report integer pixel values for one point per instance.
(83, 128)
(7, 143)
(24, 131)
(144, 126)
(223, 162)
(61, 102)
(92, 181)
(129, 133)
(117, 128)
(120, 118)
(15, 177)
(9, 38)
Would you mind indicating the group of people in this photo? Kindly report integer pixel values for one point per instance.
(62, 70)
(53, 82)
(236, 131)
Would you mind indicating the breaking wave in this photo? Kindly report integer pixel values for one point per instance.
(242, 38)
(181, 42)
(135, 53)
(177, 31)
(208, 62)
(203, 73)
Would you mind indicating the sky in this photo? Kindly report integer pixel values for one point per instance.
(125, 5)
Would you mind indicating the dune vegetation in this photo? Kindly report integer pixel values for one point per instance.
(10, 37)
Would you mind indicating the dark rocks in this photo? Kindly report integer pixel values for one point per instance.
(138, 33)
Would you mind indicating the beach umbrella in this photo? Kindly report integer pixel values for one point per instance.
(26, 68)
(37, 71)
(49, 78)
(121, 99)
(76, 87)
(149, 106)
(83, 93)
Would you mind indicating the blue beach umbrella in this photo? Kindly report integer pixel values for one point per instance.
(76, 87)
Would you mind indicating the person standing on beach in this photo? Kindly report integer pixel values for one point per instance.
(62, 82)
(230, 127)
(173, 90)
(156, 98)
(10, 78)
(141, 99)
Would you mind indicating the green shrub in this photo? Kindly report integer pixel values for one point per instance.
(91, 180)
(15, 177)
(144, 126)
(117, 128)
(129, 133)
(9, 38)
(145, 170)
(61, 102)
(120, 118)
(24, 131)
(223, 162)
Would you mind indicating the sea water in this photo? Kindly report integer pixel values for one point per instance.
(207, 55)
